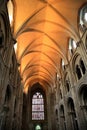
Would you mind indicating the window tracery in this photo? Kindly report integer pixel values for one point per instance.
(79, 66)
(37, 106)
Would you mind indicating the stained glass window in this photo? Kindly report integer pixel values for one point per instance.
(37, 106)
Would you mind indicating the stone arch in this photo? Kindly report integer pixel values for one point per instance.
(82, 90)
(83, 99)
(62, 110)
(73, 124)
(78, 66)
(78, 72)
(62, 117)
(74, 60)
(35, 92)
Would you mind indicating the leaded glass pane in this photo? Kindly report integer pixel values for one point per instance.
(37, 106)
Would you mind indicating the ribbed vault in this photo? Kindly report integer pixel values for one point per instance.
(42, 29)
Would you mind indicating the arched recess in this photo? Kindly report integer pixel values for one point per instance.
(73, 124)
(67, 82)
(3, 33)
(78, 66)
(57, 118)
(7, 95)
(75, 66)
(82, 66)
(56, 113)
(38, 97)
(62, 118)
(36, 105)
(83, 100)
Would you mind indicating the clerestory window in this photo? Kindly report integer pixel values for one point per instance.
(83, 16)
(72, 45)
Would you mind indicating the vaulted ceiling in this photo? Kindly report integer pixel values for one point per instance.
(42, 29)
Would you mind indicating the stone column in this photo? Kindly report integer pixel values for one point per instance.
(48, 111)
(52, 112)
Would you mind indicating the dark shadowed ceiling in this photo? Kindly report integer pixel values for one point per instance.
(42, 29)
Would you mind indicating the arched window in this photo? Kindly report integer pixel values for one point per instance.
(10, 11)
(37, 106)
(62, 118)
(82, 66)
(72, 46)
(72, 115)
(62, 64)
(67, 86)
(83, 96)
(83, 16)
(78, 72)
(83, 100)
(60, 94)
